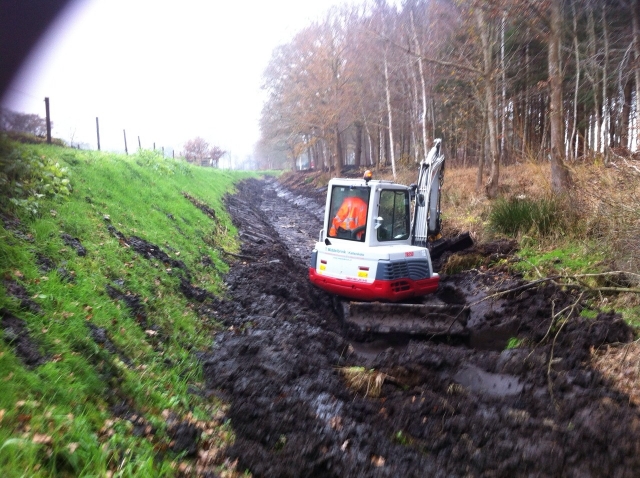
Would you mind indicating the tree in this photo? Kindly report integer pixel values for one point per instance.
(490, 77)
(215, 153)
(487, 39)
(25, 123)
(197, 151)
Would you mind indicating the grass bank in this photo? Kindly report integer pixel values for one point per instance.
(98, 340)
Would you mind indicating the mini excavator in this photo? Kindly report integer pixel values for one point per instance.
(375, 251)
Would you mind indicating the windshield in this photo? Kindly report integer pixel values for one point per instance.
(348, 212)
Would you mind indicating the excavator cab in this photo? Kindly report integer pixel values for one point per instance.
(375, 213)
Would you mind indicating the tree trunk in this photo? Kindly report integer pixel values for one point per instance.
(526, 114)
(481, 157)
(503, 106)
(338, 158)
(594, 84)
(624, 115)
(635, 20)
(572, 147)
(358, 144)
(490, 104)
(560, 177)
(390, 116)
(606, 110)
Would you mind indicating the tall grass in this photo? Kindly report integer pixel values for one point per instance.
(608, 199)
(521, 215)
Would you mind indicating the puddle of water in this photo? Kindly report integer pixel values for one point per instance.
(493, 338)
(491, 384)
(370, 350)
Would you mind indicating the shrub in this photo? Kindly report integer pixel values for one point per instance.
(26, 177)
(164, 166)
(523, 215)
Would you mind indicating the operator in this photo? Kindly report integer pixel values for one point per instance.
(351, 215)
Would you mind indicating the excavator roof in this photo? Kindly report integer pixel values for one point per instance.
(360, 182)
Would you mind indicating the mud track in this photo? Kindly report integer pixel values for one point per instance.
(462, 408)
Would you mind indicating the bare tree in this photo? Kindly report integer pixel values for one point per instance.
(374, 82)
(197, 151)
(25, 123)
(487, 40)
(215, 153)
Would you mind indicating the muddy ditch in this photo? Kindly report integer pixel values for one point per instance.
(446, 408)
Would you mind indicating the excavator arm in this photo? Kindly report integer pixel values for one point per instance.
(426, 224)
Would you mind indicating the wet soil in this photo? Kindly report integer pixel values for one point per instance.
(16, 334)
(464, 406)
(75, 243)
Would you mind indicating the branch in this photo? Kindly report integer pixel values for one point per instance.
(408, 51)
(553, 344)
(452, 65)
(558, 277)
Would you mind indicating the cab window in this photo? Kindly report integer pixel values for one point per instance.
(394, 214)
(348, 212)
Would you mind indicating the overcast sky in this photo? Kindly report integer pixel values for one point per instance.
(166, 71)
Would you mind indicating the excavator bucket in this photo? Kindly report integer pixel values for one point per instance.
(415, 319)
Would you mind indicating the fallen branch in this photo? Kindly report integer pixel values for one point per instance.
(553, 344)
(564, 277)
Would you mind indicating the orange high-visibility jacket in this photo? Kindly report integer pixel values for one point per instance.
(351, 215)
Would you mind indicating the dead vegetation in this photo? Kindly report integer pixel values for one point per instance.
(621, 365)
(367, 382)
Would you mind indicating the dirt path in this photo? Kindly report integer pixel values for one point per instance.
(469, 408)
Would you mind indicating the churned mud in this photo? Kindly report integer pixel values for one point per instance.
(16, 333)
(463, 406)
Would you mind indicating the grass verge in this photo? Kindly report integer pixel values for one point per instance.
(98, 345)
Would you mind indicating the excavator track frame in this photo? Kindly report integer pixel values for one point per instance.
(412, 319)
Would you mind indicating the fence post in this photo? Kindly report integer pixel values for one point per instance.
(46, 105)
(98, 132)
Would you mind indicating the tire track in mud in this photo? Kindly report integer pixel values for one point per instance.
(450, 410)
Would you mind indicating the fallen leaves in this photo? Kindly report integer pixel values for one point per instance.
(42, 439)
(620, 365)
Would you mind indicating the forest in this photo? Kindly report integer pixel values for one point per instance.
(501, 81)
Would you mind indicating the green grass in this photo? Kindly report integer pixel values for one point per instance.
(523, 215)
(538, 260)
(513, 343)
(56, 419)
(573, 259)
